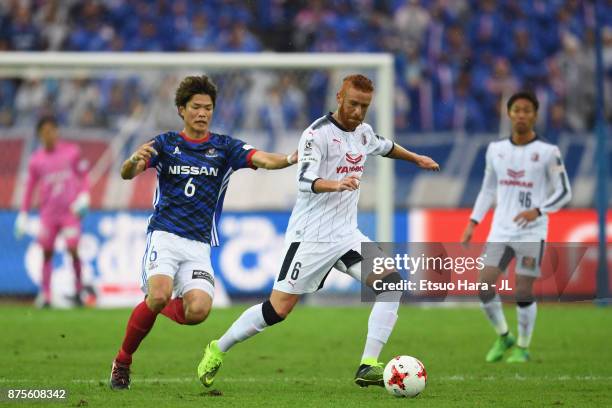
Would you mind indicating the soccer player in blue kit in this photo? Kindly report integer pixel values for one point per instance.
(193, 171)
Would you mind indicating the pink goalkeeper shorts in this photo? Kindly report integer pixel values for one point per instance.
(68, 224)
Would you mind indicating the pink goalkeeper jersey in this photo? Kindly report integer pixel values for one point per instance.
(60, 175)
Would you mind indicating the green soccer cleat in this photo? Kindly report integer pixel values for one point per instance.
(518, 355)
(210, 364)
(370, 372)
(501, 345)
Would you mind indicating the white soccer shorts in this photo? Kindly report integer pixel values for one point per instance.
(306, 264)
(528, 251)
(186, 261)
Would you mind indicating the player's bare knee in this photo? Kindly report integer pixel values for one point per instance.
(486, 296)
(524, 290)
(157, 299)
(74, 253)
(47, 254)
(524, 297)
(195, 314)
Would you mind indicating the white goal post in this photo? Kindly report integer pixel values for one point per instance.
(382, 64)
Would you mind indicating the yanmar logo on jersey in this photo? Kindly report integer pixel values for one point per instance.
(515, 176)
(349, 169)
(194, 170)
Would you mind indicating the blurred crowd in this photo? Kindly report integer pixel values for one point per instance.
(455, 60)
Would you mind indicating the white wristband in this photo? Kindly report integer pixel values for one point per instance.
(289, 159)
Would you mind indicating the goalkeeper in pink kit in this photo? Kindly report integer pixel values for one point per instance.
(58, 172)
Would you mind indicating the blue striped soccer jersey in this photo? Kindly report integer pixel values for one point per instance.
(192, 177)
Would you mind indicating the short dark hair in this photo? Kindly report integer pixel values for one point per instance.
(43, 121)
(193, 85)
(530, 96)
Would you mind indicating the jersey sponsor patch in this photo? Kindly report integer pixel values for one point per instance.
(307, 159)
(349, 169)
(211, 152)
(519, 183)
(200, 274)
(528, 262)
(194, 170)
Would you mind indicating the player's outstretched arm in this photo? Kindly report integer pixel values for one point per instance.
(137, 162)
(348, 183)
(424, 162)
(273, 161)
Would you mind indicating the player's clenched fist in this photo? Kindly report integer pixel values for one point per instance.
(349, 183)
(137, 163)
(144, 152)
(427, 163)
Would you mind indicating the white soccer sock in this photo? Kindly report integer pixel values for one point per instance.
(495, 313)
(526, 317)
(380, 325)
(250, 322)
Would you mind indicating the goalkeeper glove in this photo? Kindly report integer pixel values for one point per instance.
(80, 205)
(21, 224)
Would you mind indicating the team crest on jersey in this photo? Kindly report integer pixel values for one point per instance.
(535, 157)
(516, 174)
(211, 152)
(308, 145)
(176, 150)
(353, 158)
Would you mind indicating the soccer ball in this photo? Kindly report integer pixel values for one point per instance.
(405, 376)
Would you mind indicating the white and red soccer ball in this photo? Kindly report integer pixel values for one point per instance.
(405, 376)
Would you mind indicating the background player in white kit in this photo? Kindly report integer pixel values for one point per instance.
(322, 232)
(520, 173)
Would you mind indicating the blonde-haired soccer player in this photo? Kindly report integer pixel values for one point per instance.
(322, 232)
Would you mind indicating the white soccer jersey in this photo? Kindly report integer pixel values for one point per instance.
(521, 177)
(329, 152)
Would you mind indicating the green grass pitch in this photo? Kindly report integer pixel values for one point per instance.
(309, 360)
